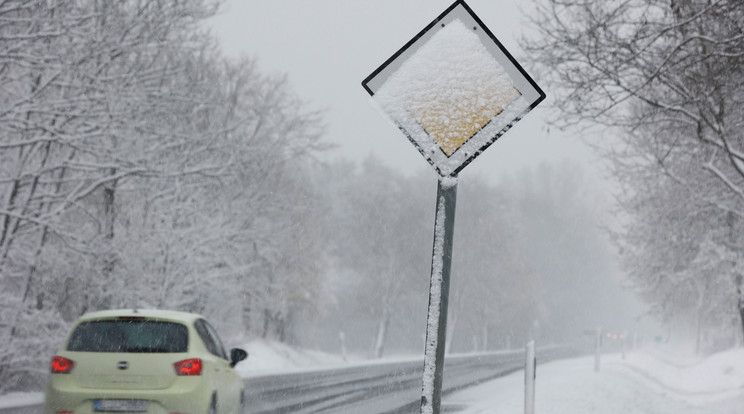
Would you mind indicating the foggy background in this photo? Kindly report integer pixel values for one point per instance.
(544, 269)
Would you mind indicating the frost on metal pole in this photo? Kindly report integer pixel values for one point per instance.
(436, 324)
(452, 90)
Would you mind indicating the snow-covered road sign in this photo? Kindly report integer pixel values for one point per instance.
(453, 89)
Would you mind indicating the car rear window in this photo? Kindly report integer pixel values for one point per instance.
(142, 336)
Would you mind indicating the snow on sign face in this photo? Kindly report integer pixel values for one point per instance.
(453, 90)
(451, 86)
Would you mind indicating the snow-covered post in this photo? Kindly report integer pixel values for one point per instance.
(635, 340)
(625, 343)
(436, 323)
(342, 338)
(597, 350)
(530, 374)
(740, 299)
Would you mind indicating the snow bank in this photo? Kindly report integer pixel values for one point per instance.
(274, 357)
(654, 381)
(719, 375)
(21, 399)
(269, 357)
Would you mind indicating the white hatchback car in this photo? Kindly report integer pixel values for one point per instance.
(144, 361)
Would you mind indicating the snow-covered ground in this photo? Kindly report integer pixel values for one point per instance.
(652, 381)
(21, 399)
(267, 357)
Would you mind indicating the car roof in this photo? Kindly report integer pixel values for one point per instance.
(146, 313)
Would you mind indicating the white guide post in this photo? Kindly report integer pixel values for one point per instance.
(530, 373)
(597, 352)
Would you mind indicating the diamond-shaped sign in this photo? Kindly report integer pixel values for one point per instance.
(453, 89)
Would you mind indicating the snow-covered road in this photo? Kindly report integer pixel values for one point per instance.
(652, 381)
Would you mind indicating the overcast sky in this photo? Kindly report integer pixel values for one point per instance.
(327, 47)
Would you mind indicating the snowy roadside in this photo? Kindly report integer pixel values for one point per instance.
(654, 381)
(657, 380)
(270, 358)
(21, 399)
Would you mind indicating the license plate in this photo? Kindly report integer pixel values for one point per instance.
(120, 406)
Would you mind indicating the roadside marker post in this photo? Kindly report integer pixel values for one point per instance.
(452, 90)
(625, 343)
(597, 349)
(530, 376)
(342, 340)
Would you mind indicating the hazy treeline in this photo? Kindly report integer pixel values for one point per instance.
(667, 77)
(530, 260)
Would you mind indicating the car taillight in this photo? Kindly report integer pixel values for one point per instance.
(191, 366)
(62, 365)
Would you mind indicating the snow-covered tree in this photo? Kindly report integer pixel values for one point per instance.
(383, 238)
(666, 76)
(493, 290)
(138, 167)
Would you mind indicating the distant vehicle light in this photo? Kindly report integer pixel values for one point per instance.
(188, 367)
(62, 365)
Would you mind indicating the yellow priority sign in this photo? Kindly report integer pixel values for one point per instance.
(453, 89)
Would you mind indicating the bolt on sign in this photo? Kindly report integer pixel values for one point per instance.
(453, 89)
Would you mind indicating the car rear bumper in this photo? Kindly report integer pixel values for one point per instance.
(186, 395)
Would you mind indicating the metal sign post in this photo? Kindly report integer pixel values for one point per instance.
(436, 325)
(452, 90)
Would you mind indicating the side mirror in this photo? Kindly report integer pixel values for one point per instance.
(237, 355)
